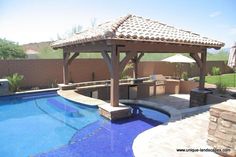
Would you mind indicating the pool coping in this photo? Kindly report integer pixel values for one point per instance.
(30, 92)
(73, 96)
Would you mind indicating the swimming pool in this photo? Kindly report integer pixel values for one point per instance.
(47, 125)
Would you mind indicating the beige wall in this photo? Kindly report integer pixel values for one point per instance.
(42, 73)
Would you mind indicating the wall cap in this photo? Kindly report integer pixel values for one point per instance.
(229, 105)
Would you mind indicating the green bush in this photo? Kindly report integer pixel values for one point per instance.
(124, 73)
(221, 87)
(215, 71)
(14, 82)
(184, 76)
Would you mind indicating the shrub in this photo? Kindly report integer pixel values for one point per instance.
(53, 84)
(215, 71)
(14, 82)
(124, 73)
(184, 76)
(221, 87)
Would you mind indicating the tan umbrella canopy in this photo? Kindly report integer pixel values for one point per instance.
(232, 58)
(178, 58)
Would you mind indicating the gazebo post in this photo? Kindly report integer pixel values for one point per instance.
(135, 61)
(65, 67)
(198, 96)
(135, 69)
(115, 71)
(203, 70)
(115, 66)
(200, 59)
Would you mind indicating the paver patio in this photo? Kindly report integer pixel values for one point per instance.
(163, 140)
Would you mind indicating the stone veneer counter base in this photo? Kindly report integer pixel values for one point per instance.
(163, 140)
(115, 113)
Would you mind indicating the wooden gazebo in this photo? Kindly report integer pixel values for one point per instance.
(134, 36)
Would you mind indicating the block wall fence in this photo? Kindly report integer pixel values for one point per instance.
(45, 72)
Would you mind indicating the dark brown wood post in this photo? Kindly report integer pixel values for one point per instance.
(203, 70)
(115, 71)
(65, 67)
(135, 69)
(135, 61)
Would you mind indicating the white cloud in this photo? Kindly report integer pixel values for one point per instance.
(215, 14)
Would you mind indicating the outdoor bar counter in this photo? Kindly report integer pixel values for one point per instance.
(128, 90)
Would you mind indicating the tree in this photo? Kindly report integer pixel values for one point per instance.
(10, 50)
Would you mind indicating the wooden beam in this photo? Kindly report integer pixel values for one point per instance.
(114, 91)
(89, 47)
(107, 59)
(140, 56)
(135, 62)
(154, 47)
(112, 41)
(203, 70)
(135, 69)
(73, 57)
(200, 59)
(65, 67)
(197, 58)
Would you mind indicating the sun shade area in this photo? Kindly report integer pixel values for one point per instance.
(134, 36)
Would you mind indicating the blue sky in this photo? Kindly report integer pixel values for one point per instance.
(27, 21)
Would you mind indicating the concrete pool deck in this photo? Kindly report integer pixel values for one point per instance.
(179, 102)
(164, 140)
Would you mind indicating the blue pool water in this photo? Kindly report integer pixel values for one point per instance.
(47, 125)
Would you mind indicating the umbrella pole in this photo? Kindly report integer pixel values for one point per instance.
(180, 70)
(234, 77)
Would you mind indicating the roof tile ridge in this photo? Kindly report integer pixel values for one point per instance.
(112, 32)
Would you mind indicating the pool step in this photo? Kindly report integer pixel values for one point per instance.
(61, 106)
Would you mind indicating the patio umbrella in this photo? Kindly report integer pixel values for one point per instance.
(232, 59)
(178, 58)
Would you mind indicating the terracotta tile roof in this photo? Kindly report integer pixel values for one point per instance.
(132, 27)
